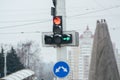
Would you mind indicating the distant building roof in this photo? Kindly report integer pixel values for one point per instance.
(19, 75)
(87, 28)
(87, 33)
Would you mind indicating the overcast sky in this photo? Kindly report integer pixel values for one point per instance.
(33, 16)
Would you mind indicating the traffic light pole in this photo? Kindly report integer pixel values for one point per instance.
(61, 51)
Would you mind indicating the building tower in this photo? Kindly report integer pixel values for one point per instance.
(79, 58)
(86, 41)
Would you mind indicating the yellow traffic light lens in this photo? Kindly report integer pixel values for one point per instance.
(57, 20)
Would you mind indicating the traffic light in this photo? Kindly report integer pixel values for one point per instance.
(69, 38)
(54, 2)
(48, 39)
(53, 9)
(66, 38)
(62, 39)
(58, 39)
(57, 25)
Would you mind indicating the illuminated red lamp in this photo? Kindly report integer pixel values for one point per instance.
(57, 20)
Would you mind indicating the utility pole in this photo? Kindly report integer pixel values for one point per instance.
(60, 10)
(61, 51)
(5, 64)
(5, 59)
(60, 38)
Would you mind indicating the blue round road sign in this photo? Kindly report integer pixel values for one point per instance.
(61, 69)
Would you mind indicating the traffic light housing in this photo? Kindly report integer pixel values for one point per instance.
(54, 2)
(58, 39)
(68, 38)
(57, 25)
(48, 39)
(53, 9)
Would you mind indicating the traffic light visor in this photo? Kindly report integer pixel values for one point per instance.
(48, 39)
(57, 20)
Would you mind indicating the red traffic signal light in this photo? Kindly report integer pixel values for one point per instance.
(57, 20)
(57, 25)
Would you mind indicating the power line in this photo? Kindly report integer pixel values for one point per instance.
(94, 11)
(19, 21)
(12, 10)
(32, 32)
(98, 3)
(5, 27)
(20, 32)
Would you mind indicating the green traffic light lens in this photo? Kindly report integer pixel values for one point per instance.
(66, 38)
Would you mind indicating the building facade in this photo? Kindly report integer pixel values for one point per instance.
(73, 63)
(79, 58)
(117, 56)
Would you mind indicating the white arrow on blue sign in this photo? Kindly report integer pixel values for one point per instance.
(61, 69)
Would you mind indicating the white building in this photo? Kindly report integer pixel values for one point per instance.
(117, 56)
(86, 42)
(79, 58)
(74, 63)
